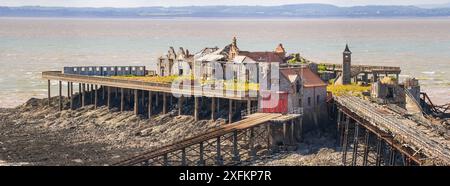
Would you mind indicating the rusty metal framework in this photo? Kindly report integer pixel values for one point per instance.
(369, 148)
(398, 139)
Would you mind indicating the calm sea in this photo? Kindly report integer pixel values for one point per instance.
(421, 47)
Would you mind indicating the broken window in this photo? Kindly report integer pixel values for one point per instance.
(247, 75)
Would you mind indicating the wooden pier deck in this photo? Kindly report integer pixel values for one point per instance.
(149, 86)
(219, 137)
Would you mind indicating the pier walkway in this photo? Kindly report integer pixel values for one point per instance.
(149, 86)
(417, 142)
(145, 97)
(365, 70)
(227, 145)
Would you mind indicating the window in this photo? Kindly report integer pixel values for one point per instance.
(298, 87)
(309, 101)
(90, 68)
(112, 68)
(133, 68)
(82, 69)
(98, 68)
(247, 75)
(141, 68)
(235, 75)
(180, 72)
(75, 69)
(105, 69)
(126, 68)
(119, 68)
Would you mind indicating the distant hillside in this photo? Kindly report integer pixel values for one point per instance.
(447, 5)
(297, 10)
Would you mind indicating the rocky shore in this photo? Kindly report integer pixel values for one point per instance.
(36, 134)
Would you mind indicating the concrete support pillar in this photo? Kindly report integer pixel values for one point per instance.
(249, 107)
(230, 111)
(292, 132)
(68, 89)
(213, 107)
(300, 129)
(164, 111)
(285, 134)
(95, 97)
(218, 105)
(80, 93)
(196, 108)
(150, 104)
(116, 91)
(103, 93)
(122, 100)
(108, 102)
(143, 98)
(48, 92)
(180, 105)
(71, 95)
(83, 99)
(129, 95)
(156, 99)
(136, 102)
(60, 96)
(91, 93)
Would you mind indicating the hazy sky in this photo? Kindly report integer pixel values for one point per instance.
(137, 3)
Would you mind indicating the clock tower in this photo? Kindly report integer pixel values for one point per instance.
(346, 66)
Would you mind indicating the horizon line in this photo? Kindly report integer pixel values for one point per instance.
(99, 7)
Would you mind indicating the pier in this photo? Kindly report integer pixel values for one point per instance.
(379, 136)
(145, 97)
(362, 72)
(229, 145)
